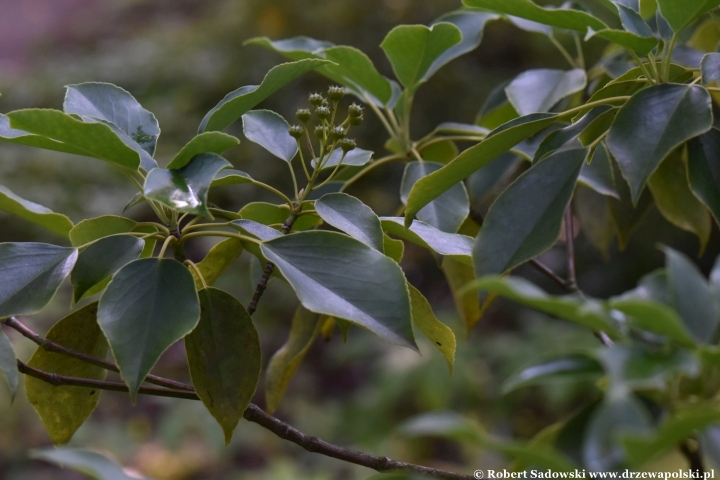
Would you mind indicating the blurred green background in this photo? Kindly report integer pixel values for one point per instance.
(179, 58)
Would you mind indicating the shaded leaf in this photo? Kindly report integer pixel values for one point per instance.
(185, 190)
(640, 44)
(30, 274)
(458, 275)
(91, 463)
(413, 49)
(270, 131)
(242, 100)
(535, 91)
(393, 248)
(350, 215)
(556, 17)
(427, 236)
(654, 317)
(164, 309)
(32, 212)
(575, 366)
(371, 290)
(526, 218)
(224, 357)
(680, 14)
(598, 174)
(710, 67)
(285, 362)
(95, 228)
(8, 364)
(220, 256)
(626, 216)
(446, 212)
(632, 21)
(566, 135)
(63, 409)
(704, 170)
(355, 157)
(437, 332)
(207, 142)
(652, 124)
(596, 223)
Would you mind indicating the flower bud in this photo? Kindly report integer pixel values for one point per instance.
(355, 120)
(296, 131)
(315, 99)
(303, 114)
(347, 144)
(322, 112)
(337, 133)
(320, 131)
(355, 110)
(336, 93)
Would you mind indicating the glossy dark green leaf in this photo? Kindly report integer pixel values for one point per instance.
(566, 135)
(691, 296)
(413, 49)
(556, 17)
(224, 358)
(32, 212)
(219, 258)
(164, 308)
(471, 24)
(63, 409)
(420, 233)
(101, 260)
(616, 416)
(355, 157)
(285, 362)
(437, 332)
(8, 364)
(526, 218)
(92, 139)
(598, 174)
(185, 190)
(626, 216)
(704, 170)
(236, 103)
(575, 366)
(458, 275)
(369, 291)
(710, 68)
(652, 124)
(654, 317)
(535, 91)
(680, 14)
(350, 215)
(95, 464)
(632, 21)
(675, 200)
(270, 131)
(596, 223)
(448, 211)
(496, 110)
(207, 142)
(30, 274)
(496, 143)
(588, 313)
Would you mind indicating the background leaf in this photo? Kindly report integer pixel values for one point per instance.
(8, 363)
(703, 166)
(220, 256)
(458, 275)
(678, 15)
(32, 212)
(207, 142)
(437, 332)
(575, 366)
(92, 463)
(538, 90)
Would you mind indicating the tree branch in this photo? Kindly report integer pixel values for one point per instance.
(570, 245)
(694, 456)
(252, 414)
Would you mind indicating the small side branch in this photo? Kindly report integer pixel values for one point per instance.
(570, 245)
(691, 451)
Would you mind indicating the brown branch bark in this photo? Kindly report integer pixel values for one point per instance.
(694, 456)
(252, 414)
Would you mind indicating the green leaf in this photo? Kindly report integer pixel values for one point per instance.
(63, 409)
(574, 366)
(710, 67)
(596, 223)
(8, 364)
(526, 218)
(598, 174)
(231, 177)
(21, 137)
(680, 14)
(217, 260)
(437, 332)
(420, 233)
(448, 211)
(370, 290)
(240, 101)
(270, 131)
(164, 308)
(92, 139)
(258, 230)
(207, 142)
(97, 465)
(535, 91)
(626, 216)
(413, 49)
(654, 317)
(30, 274)
(653, 123)
(224, 357)
(285, 362)
(704, 170)
(106, 225)
(458, 275)
(185, 190)
(496, 143)
(471, 25)
(588, 313)
(32, 212)
(100, 261)
(350, 215)
(669, 188)
(640, 44)
(692, 298)
(355, 158)
(566, 135)
(393, 248)
(632, 21)
(556, 17)
(678, 426)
